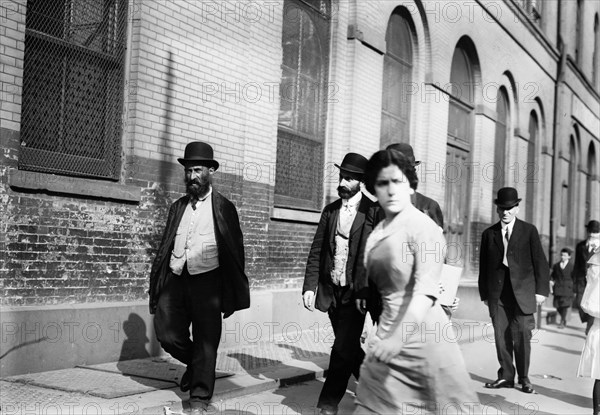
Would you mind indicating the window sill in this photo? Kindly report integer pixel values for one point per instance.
(295, 215)
(73, 185)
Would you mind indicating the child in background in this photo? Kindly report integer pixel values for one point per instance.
(561, 285)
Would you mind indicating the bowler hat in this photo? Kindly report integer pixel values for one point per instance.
(200, 153)
(507, 198)
(353, 163)
(593, 226)
(405, 149)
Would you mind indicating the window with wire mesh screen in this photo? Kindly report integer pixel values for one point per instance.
(303, 104)
(73, 87)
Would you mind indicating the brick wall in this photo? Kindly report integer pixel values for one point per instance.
(195, 69)
(12, 47)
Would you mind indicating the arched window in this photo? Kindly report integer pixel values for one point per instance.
(397, 78)
(591, 202)
(530, 169)
(568, 212)
(303, 104)
(458, 175)
(502, 128)
(579, 34)
(460, 119)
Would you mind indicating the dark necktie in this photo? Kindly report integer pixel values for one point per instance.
(506, 239)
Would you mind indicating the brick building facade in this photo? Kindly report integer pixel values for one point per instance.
(100, 97)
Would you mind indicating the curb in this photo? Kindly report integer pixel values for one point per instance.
(257, 381)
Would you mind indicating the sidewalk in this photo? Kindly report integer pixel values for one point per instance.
(148, 386)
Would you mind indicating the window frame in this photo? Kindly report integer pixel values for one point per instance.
(111, 30)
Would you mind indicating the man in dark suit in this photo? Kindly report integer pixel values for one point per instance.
(513, 279)
(198, 273)
(583, 252)
(333, 271)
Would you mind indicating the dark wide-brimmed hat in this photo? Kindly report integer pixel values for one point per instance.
(353, 163)
(507, 198)
(199, 153)
(593, 226)
(405, 149)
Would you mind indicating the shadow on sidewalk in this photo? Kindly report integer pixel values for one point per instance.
(568, 332)
(563, 349)
(163, 374)
(499, 404)
(492, 400)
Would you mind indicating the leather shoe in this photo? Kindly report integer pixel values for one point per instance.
(186, 381)
(500, 383)
(527, 388)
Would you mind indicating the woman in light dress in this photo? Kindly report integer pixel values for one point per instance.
(589, 363)
(410, 366)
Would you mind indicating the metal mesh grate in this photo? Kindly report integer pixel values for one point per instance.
(73, 87)
(299, 172)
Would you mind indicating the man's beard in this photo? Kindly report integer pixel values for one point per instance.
(197, 188)
(346, 193)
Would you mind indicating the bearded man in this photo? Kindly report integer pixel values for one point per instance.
(334, 273)
(198, 273)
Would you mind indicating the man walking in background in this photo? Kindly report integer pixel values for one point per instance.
(198, 273)
(334, 270)
(513, 279)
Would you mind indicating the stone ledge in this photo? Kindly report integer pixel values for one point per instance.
(295, 215)
(73, 185)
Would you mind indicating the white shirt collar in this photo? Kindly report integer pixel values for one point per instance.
(508, 226)
(353, 201)
(204, 198)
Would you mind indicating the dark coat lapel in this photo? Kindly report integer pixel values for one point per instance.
(359, 219)
(517, 233)
(498, 237)
(332, 225)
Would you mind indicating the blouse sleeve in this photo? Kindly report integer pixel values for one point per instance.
(429, 247)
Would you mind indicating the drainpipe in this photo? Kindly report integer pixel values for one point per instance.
(555, 186)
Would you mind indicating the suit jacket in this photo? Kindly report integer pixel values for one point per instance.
(529, 269)
(425, 204)
(230, 244)
(563, 281)
(582, 255)
(320, 258)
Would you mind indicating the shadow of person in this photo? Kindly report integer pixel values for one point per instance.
(134, 346)
(136, 363)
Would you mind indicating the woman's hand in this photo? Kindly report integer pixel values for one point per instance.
(384, 350)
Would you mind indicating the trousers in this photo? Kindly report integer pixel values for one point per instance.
(192, 300)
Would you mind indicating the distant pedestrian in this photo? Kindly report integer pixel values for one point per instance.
(589, 363)
(198, 273)
(583, 252)
(408, 368)
(334, 271)
(513, 280)
(561, 282)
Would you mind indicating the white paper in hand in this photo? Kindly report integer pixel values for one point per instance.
(449, 280)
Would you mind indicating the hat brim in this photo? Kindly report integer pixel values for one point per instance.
(507, 205)
(350, 170)
(200, 161)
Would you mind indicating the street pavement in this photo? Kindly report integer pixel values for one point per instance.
(284, 376)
